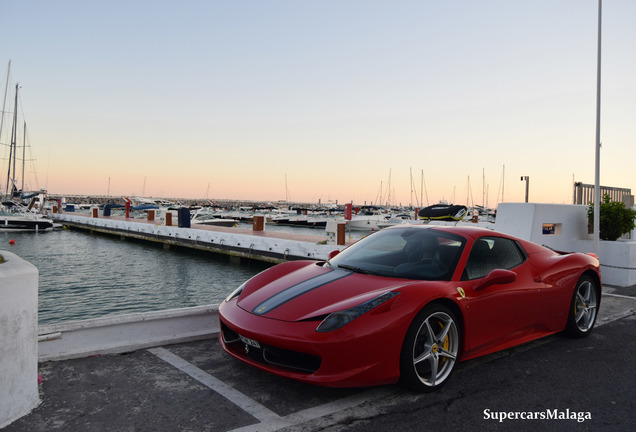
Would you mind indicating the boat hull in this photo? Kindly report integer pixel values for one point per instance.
(21, 223)
(443, 212)
(217, 222)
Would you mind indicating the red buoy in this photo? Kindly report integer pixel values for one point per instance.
(12, 242)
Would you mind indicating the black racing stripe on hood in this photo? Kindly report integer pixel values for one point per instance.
(299, 289)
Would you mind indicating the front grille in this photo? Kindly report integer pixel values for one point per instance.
(229, 336)
(271, 355)
(291, 359)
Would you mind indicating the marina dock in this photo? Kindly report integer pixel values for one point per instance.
(237, 243)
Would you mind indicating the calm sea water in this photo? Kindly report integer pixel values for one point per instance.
(86, 276)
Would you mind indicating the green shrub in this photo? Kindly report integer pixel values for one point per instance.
(616, 219)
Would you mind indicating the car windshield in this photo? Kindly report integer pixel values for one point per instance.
(404, 252)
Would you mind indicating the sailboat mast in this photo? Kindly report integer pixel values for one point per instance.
(4, 99)
(14, 132)
(388, 189)
(23, 153)
(411, 181)
(503, 183)
(422, 189)
(483, 188)
(425, 190)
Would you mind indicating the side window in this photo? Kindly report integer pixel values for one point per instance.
(489, 253)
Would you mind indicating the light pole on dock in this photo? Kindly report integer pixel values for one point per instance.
(527, 180)
(597, 143)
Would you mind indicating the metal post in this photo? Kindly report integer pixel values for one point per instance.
(527, 180)
(597, 144)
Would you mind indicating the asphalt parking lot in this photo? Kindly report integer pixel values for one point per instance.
(555, 383)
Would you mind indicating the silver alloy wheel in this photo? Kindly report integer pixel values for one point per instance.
(435, 349)
(585, 306)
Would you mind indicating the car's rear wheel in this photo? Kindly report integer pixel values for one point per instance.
(583, 307)
(430, 349)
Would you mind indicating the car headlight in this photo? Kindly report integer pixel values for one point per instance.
(339, 319)
(237, 292)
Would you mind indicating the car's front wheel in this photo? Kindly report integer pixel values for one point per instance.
(430, 349)
(583, 308)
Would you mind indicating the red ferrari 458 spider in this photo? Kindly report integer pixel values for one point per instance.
(408, 302)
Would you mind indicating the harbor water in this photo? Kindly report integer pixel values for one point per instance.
(85, 276)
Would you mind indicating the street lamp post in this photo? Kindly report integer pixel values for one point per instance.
(527, 180)
(597, 144)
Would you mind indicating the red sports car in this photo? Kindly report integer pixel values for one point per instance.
(407, 303)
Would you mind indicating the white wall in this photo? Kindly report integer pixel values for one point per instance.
(122, 333)
(527, 220)
(18, 338)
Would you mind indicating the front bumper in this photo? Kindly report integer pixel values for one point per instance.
(364, 352)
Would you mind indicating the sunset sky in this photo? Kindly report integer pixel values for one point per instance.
(321, 100)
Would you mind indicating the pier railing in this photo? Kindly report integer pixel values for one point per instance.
(584, 194)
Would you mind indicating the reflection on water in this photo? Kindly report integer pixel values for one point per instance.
(86, 276)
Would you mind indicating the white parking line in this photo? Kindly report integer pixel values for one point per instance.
(268, 420)
(329, 410)
(619, 296)
(247, 404)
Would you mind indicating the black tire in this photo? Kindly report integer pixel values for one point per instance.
(583, 308)
(430, 349)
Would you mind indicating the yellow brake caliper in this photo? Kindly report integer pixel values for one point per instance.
(445, 344)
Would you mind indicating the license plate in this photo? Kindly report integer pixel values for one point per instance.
(250, 342)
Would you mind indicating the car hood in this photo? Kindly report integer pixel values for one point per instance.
(314, 291)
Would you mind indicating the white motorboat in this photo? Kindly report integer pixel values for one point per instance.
(14, 217)
(203, 217)
(366, 220)
(399, 219)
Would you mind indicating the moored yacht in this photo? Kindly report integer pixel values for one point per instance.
(367, 219)
(203, 217)
(14, 217)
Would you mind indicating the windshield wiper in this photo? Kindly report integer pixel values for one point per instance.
(358, 270)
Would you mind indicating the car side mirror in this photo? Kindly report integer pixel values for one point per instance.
(496, 277)
(333, 254)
